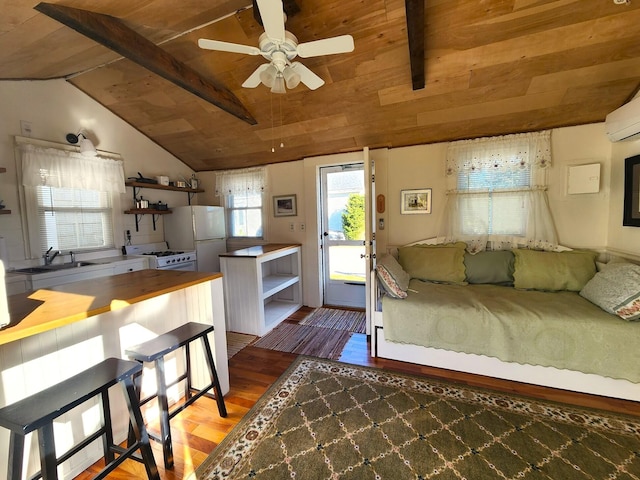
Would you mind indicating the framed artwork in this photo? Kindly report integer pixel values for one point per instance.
(631, 217)
(285, 206)
(415, 201)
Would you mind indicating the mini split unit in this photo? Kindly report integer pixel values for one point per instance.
(624, 123)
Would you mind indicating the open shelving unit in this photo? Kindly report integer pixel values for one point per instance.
(262, 287)
(138, 212)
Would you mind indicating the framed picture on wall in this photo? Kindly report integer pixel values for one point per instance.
(285, 206)
(631, 217)
(415, 201)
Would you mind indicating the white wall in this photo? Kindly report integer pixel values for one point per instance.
(591, 221)
(55, 108)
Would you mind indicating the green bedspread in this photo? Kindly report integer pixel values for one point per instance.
(554, 329)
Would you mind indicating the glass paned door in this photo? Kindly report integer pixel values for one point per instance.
(343, 235)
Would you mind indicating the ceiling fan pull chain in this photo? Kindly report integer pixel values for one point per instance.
(281, 142)
(273, 148)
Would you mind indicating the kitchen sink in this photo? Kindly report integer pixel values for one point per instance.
(32, 270)
(64, 266)
(53, 268)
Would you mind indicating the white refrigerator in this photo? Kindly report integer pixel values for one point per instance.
(200, 228)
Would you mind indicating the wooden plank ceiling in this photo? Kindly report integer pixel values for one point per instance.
(491, 67)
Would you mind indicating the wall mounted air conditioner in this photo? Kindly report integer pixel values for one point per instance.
(624, 123)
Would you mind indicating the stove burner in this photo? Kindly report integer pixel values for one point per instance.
(166, 253)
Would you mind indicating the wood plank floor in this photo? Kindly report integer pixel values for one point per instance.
(198, 429)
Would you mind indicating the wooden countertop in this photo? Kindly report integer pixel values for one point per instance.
(259, 250)
(48, 308)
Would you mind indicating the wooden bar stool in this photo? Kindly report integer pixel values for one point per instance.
(154, 351)
(38, 412)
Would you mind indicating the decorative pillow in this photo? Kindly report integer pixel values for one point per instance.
(436, 263)
(490, 267)
(392, 277)
(616, 289)
(553, 271)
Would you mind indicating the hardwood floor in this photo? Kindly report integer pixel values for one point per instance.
(198, 429)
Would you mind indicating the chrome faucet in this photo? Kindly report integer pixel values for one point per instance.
(49, 259)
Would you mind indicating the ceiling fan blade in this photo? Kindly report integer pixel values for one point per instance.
(272, 14)
(327, 46)
(310, 79)
(227, 47)
(254, 79)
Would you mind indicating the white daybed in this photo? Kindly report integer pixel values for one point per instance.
(441, 352)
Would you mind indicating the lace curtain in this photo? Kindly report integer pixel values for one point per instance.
(487, 217)
(61, 168)
(244, 181)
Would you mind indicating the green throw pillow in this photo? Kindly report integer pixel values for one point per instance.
(553, 271)
(494, 267)
(435, 263)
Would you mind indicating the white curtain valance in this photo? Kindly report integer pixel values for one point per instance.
(507, 152)
(244, 181)
(54, 167)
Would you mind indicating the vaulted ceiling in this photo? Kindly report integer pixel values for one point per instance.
(491, 67)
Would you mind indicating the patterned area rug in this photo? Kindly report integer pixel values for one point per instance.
(324, 419)
(338, 319)
(305, 340)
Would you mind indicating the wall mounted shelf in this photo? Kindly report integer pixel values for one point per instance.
(138, 212)
(156, 186)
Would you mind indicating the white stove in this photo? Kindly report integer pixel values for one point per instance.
(161, 258)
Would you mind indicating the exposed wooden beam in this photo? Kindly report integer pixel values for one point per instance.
(290, 7)
(112, 33)
(415, 32)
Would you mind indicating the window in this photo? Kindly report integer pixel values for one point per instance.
(498, 209)
(72, 219)
(243, 194)
(498, 192)
(245, 215)
(70, 199)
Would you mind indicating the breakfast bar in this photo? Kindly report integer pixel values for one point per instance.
(59, 331)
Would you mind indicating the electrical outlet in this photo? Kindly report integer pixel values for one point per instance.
(302, 227)
(292, 227)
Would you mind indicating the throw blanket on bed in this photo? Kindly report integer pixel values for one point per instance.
(554, 329)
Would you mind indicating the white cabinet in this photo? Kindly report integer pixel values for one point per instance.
(103, 268)
(129, 266)
(262, 286)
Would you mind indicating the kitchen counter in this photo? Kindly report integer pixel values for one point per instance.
(45, 309)
(56, 332)
(259, 250)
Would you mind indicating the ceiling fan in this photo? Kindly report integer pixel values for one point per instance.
(280, 47)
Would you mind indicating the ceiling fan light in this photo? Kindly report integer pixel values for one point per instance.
(268, 76)
(291, 77)
(278, 85)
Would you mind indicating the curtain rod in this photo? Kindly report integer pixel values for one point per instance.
(61, 146)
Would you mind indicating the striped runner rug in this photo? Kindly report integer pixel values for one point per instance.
(305, 340)
(237, 341)
(337, 319)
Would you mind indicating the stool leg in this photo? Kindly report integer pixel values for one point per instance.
(187, 363)
(163, 404)
(222, 409)
(48, 461)
(107, 436)
(16, 456)
(140, 432)
(137, 383)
